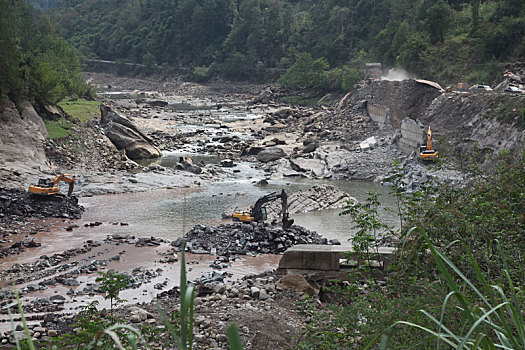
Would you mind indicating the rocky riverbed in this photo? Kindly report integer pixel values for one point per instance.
(223, 133)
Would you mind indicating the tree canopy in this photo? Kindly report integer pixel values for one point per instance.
(35, 63)
(443, 40)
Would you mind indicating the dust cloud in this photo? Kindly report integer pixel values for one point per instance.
(398, 74)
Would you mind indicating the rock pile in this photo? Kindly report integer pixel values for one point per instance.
(317, 197)
(19, 203)
(247, 238)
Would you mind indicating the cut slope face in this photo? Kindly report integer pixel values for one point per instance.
(22, 135)
(406, 98)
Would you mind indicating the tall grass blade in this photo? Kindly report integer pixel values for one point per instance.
(15, 335)
(442, 316)
(170, 327)
(384, 343)
(477, 324)
(234, 339)
(24, 322)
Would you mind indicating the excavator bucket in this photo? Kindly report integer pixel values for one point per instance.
(287, 223)
(70, 190)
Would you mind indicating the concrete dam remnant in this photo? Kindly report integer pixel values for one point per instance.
(412, 135)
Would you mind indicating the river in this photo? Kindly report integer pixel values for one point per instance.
(171, 213)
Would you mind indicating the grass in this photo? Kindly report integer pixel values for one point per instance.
(492, 314)
(57, 129)
(82, 109)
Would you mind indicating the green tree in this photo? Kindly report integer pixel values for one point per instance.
(306, 72)
(112, 283)
(435, 17)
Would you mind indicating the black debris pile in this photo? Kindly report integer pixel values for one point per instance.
(22, 204)
(247, 238)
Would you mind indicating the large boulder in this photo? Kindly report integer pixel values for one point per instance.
(270, 154)
(125, 135)
(132, 142)
(314, 166)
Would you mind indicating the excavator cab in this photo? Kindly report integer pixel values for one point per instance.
(45, 183)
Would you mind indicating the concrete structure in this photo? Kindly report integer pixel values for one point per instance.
(373, 71)
(379, 114)
(304, 258)
(412, 136)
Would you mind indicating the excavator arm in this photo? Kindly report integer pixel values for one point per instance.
(258, 213)
(67, 178)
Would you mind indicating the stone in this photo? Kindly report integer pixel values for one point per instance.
(270, 154)
(57, 299)
(71, 282)
(297, 282)
(52, 332)
(125, 135)
(263, 295)
(227, 163)
(134, 318)
(219, 288)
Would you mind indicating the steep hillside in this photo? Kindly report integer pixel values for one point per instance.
(22, 137)
(446, 41)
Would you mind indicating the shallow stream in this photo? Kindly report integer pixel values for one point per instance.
(171, 213)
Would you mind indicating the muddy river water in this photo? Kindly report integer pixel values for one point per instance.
(171, 213)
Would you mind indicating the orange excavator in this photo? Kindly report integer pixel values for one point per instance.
(49, 187)
(258, 213)
(428, 154)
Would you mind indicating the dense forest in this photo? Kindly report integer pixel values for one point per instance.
(35, 63)
(443, 40)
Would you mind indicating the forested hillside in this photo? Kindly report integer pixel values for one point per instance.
(448, 41)
(35, 63)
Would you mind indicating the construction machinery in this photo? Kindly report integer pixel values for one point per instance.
(428, 154)
(258, 212)
(50, 187)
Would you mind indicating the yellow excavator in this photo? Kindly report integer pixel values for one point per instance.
(49, 187)
(258, 213)
(427, 154)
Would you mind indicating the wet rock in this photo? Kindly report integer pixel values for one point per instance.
(187, 166)
(228, 163)
(71, 282)
(270, 154)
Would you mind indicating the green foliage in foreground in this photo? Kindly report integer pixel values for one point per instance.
(111, 283)
(83, 110)
(451, 283)
(491, 317)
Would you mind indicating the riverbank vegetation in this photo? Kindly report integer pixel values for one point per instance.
(308, 44)
(36, 64)
(478, 229)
